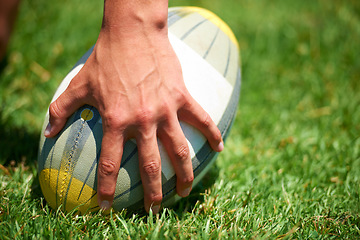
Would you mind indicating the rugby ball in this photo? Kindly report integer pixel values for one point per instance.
(209, 55)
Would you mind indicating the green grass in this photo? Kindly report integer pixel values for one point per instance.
(291, 167)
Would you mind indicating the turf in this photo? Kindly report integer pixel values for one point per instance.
(291, 166)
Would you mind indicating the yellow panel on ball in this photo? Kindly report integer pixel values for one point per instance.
(69, 199)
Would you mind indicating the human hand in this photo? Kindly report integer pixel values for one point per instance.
(134, 80)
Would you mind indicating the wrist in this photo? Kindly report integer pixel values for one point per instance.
(131, 17)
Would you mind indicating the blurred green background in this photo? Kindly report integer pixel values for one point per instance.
(293, 156)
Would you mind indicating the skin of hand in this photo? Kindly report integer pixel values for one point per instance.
(134, 79)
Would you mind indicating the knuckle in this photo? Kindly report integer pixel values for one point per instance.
(182, 153)
(106, 191)
(107, 167)
(55, 110)
(152, 168)
(144, 116)
(155, 197)
(182, 97)
(187, 105)
(166, 107)
(217, 135)
(187, 180)
(206, 121)
(113, 120)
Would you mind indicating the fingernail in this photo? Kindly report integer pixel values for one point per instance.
(155, 209)
(105, 205)
(220, 146)
(186, 192)
(47, 130)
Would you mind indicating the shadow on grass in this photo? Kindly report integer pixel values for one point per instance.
(184, 205)
(197, 194)
(3, 64)
(17, 144)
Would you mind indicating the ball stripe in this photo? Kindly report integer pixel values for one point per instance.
(92, 168)
(211, 44)
(227, 61)
(192, 29)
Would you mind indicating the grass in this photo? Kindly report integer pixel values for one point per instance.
(291, 167)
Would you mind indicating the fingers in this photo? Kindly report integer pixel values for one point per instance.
(108, 167)
(195, 115)
(150, 169)
(60, 110)
(177, 148)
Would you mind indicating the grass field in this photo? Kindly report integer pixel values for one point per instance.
(291, 166)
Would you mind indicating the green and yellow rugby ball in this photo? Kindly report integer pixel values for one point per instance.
(209, 55)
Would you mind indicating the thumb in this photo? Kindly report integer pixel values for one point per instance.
(61, 109)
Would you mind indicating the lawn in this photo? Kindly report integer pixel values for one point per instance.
(291, 165)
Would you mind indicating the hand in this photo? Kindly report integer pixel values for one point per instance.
(135, 82)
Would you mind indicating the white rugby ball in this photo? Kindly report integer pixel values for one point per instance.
(209, 55)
